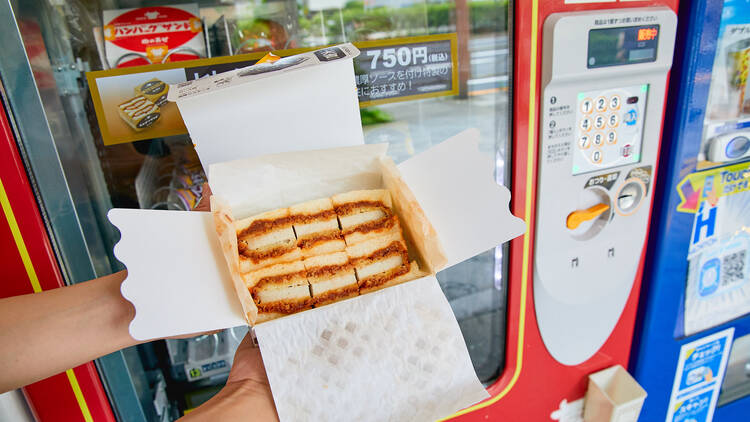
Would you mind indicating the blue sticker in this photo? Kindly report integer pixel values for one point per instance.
(702, 365)
(709, 277)
(694, 409)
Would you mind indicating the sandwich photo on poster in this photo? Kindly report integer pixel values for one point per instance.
(134, 107)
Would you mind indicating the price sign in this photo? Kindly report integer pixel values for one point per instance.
(407, 68)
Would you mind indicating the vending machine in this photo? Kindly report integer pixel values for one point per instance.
(568, 97)
(588, 120)
(691, 347)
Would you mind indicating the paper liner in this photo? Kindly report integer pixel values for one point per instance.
(228, 240)
(393, 355)
(417, 229)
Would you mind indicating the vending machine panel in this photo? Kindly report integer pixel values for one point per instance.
(600, 125)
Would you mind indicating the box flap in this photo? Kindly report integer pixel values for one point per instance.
(277, 111)
(176, 273)
(454, 183)
(258, 184)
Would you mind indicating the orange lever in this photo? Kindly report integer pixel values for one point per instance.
(575, 218)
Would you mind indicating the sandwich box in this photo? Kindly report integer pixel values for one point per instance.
(295, 127)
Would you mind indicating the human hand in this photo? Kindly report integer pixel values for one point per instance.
(246, 395)
(204, 203)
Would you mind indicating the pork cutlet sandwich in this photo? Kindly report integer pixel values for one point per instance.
(374, 239)
(317, 252)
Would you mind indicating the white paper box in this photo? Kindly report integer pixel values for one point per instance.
(179, 284)
(179, 249)
(613, 396)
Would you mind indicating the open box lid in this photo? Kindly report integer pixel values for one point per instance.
(174, 259)
(301, 102)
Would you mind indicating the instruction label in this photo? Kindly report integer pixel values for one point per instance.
(700, 370)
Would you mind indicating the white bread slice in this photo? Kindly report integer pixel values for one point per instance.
(320, 246)
(366, 248)
(379, 261)
(295, 268)
(354, 220)
(379, 266)
(360, 207)
(374, 195)
(336, 258)
(285, 255)
(384, 227)
(317, 227)
(283, 236)
(331, 277)
(321, 224)
(413, 274)
(279, 289)
(276, 294)
(271, 242)
(341, 282)
(241, 225)
(279, 231)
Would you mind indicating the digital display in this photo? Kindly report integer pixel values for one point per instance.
(647, 34)
(622, 46)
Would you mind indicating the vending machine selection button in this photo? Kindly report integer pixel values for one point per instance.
(631, 117)
(586, 124)
(584, 142)
(599, 121)
(614, 120)
(575, 218)
(596, 156)
(598, 139)
(601, 104)
(614, 102)
(587, 105)
(611, 137)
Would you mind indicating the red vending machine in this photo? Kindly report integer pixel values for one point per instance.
(568, 97)
(589, 100)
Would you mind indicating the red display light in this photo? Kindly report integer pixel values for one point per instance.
(647, 34)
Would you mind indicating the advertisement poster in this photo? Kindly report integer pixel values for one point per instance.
(392, 70)
(726, 130)
(698, 376)
(150, 35)
(385, 71)
(718, 280)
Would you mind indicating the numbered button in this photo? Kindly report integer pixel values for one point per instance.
(598, 139)
(599, 121)
(586, 124)
(611, 137)
(601, 104)
(587, 105)
(614, 102)
(613, 120)
(596, 156)
(584, 142)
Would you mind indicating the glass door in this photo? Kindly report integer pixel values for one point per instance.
(79, 175)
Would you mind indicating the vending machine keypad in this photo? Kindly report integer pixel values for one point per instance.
(609, 133)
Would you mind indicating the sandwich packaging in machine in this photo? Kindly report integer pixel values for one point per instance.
(282, 133)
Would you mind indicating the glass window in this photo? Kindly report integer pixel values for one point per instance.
(66, 39)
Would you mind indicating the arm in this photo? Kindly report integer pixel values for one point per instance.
(45, 333)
